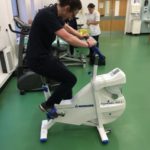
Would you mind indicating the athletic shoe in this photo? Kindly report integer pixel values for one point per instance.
(88, 55)
(44, 107)
(52, 113)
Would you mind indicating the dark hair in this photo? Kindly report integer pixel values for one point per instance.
(91, 5)
(74, 4)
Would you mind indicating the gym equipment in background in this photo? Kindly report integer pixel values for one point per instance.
(62, 52)
(27, 80)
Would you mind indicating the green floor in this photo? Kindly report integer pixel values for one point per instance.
(20, 118)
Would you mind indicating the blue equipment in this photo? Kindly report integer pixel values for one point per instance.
(97, 51)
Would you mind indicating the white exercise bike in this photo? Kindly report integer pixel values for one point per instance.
(99, 102)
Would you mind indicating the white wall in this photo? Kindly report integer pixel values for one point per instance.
(28, 8)
(23, 10)
(47, 2)
(130, 17)
(6, 37)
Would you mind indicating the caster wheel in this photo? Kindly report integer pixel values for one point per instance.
(22, 92)
(105, 142)
(108, 131)
(84, 65)
(43, 140)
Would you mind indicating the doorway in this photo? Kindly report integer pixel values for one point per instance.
(113, 14)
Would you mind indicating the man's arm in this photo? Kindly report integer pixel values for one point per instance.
(92, 22)
(72, 31)
(73, 40)
(95, 21)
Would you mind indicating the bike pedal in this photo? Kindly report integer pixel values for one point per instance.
(62, 114)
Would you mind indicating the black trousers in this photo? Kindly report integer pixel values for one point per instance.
(52, 68)
(71, 49)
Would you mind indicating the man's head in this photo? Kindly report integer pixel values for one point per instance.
(91, 8)
(69, 8)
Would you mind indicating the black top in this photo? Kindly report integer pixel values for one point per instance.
(72, 23)
(42, 33)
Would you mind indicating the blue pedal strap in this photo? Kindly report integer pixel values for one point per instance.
(97, 51)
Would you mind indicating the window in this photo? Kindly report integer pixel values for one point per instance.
(15, 8)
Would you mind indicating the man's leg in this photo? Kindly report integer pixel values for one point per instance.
(97, 40)
(52, 68)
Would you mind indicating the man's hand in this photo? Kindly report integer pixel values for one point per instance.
(91, 41)
(83, 33)
(88, 22)
(84, 36)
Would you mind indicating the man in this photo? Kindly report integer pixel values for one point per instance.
(93, 18)
(48, 23)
